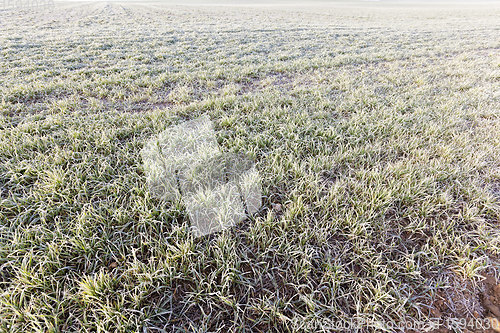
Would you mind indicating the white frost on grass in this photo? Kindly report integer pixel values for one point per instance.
(185, 163)
(214, 209)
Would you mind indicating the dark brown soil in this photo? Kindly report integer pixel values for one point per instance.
(473, 307)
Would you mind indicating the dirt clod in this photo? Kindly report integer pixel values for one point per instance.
(477, 303)
(494, 324)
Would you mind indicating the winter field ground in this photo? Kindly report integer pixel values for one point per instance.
(375, 127)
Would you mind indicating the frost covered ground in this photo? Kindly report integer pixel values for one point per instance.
(374, 126)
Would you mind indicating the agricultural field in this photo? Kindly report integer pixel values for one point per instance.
(375, 127)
